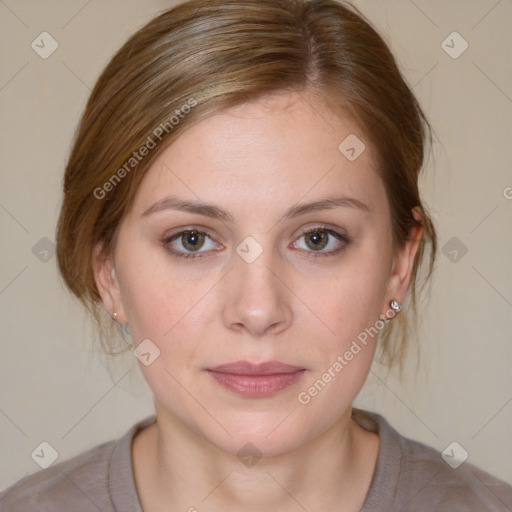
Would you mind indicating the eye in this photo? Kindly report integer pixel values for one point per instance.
(187, 242)
(321, 240)
(193, 243)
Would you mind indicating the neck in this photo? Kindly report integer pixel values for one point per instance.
(175, 466)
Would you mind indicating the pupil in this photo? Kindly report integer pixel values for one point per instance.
(193, 240)
(319, 239)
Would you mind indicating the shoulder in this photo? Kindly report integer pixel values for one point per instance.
(412, 476)
(100, 478)
(75, 484)
(450, 482)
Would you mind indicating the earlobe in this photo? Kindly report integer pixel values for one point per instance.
(404, 260)
(107, 284)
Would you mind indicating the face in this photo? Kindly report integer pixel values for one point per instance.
(254, 239)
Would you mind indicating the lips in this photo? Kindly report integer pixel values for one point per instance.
(256, 380)
(246, 368)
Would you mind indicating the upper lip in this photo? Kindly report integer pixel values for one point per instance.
(247, 368)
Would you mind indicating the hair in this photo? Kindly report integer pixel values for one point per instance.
(202, 56)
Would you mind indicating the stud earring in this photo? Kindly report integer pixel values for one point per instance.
(395, 306)
(114, 315)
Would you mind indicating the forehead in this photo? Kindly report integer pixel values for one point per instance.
(281, 147)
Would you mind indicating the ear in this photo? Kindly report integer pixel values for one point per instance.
(403, 262)
(107, 284)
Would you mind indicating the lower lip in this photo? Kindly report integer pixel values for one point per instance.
(256, 385)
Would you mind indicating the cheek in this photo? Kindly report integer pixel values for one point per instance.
(349, 298)
(164, 310)
(158, 297)
(176, 314)
(349, 307)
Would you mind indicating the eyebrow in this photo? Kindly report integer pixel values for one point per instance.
(215, 212)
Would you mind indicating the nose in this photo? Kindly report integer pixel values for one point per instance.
(257, 299)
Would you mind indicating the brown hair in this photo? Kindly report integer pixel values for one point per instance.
(202, 56)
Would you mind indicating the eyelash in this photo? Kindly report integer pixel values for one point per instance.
(310, 254)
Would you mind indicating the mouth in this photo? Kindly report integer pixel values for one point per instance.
(256, 380)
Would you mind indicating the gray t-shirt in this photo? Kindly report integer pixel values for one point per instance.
(409, 476)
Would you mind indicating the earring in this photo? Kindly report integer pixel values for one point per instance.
(395, 306)
(114, 315)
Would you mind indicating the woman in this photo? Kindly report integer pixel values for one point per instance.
(242, 197)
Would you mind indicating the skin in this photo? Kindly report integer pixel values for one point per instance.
(256, 161)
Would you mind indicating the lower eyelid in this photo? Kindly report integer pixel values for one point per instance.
(319, 254)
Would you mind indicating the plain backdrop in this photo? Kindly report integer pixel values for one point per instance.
(56, 387)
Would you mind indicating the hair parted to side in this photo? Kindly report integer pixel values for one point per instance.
(202, 56)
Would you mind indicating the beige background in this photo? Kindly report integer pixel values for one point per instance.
(54, 388)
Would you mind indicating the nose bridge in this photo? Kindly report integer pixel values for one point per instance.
(256, 275)
(257, 300)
